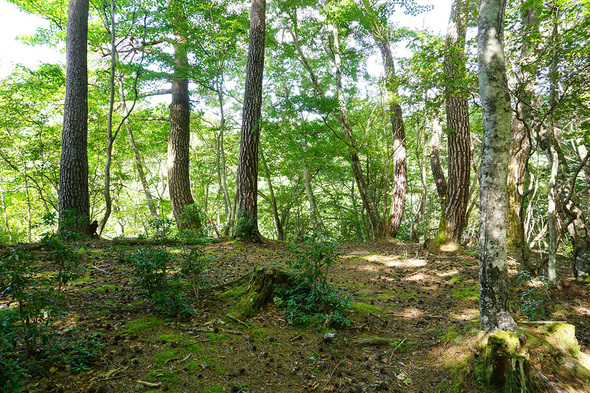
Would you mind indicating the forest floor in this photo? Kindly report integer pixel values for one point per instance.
(423, 301)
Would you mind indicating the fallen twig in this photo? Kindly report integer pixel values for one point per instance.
(149, 384)
(333, 371)
(101, 270)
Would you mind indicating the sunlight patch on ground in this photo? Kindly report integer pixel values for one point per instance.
(467, 314)
(417, 277)
(394, 262)
(368, 268)
(450, 247)
(448, 273)
(411, 312)
(582, 310)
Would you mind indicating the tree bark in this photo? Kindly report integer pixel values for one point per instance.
(273, 200)
(313, 209)
(453, 219)
(179, 139)
(424, 194)
(522, 123)
(436, 168)
(74, 201)
(381, 35)
(495, 100)
(250, 133)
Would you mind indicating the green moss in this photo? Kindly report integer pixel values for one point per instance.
(142, 325)
(134, 304)
(162, 357)
(408, 294)
(107, 288)
(563, 335)
(457, 278)
(165, 376)
(233, 293)
(365, 309)
(171, 337)
(468, 292)
(215, 338)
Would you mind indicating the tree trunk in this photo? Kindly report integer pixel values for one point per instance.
(495, 100)
(74, 201)
(341, 117)
(250, 133)
(436, 167)
(459, 136)
(220, 156)
(381, 35)
(179, 139)
(522, 123)
(313, 209)
(548, 142)
(110, 137)
(424, 193)
(375, 220)
(400, 165)
(273, 200)
(137, 160)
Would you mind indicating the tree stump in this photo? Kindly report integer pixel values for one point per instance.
(544, 357)
(256, 289)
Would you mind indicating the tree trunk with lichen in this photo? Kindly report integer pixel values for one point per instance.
(495, 99)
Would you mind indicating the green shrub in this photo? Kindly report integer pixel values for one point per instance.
(534, 298)
(192, 266)
(192, 218)
(28, 334)
(244, 229)
(311, 298)
(150, 266)
(151, 269)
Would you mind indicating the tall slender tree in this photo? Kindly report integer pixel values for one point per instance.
(523, 123)
(381, 34)
(250, 133)
(495, 101)
(453, 219)
(179, 184)
(74, 202)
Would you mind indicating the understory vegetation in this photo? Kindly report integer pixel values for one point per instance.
(372, 317)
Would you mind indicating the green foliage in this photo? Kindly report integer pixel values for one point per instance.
(192, 218)
(193, 264)
(64, 258)
(312, 299)
(36, 310)
(534, 298)
(28, 332)
(245, 229)
(166, 292)
(150, 266)
(162, 227)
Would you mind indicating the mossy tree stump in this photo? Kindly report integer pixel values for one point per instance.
(543, 357)
(256, 289)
